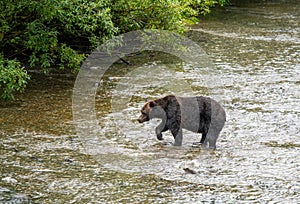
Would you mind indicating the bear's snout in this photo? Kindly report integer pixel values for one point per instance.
(142, 119)
(139, 119)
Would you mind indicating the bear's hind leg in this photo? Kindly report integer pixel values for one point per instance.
(212, 137)
(212, 143)
(203, 138)
(201, 141)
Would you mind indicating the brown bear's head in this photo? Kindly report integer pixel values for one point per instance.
(145, 112)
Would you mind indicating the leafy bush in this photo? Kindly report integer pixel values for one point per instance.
(152, 14)
(12, 78)
(203, 7)
(60, 33)
(44, 32)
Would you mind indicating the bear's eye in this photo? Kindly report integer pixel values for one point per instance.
(143, 113)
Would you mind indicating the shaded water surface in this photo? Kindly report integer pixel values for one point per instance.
(256, 50)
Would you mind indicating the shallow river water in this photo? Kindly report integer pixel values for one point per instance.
(255, 49)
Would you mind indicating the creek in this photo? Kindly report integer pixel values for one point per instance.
(255, 48)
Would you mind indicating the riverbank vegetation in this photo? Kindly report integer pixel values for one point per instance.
(39, 34)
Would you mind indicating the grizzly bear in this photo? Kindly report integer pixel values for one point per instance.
(198, 114)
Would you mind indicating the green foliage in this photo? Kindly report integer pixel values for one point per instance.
(60, 33)
(44, 31)
(172, 15)
(12, 78)
(152, 14)
(203, 7)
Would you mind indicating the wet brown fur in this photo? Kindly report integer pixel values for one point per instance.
(197, 114)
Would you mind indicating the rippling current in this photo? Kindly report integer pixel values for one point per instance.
(256, 50)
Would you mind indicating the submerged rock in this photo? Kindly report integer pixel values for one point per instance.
(189, 171)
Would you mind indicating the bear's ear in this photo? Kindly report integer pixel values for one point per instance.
(152, 104)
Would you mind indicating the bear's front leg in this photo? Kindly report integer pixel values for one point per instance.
(177, 134)
(162, 127)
